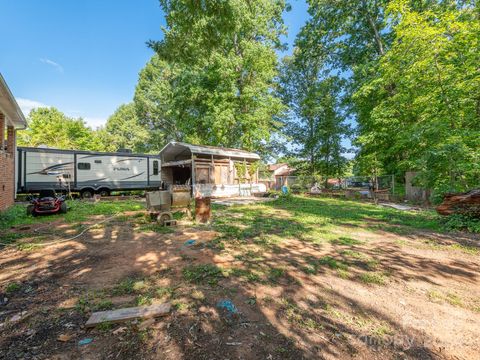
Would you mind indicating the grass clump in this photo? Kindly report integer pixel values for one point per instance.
(373, 278)
(332, 263)
(12, 287)
(201, 274)
(343, 240)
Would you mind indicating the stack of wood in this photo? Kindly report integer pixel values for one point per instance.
(464, 203)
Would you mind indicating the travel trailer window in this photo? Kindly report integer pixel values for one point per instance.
(98, 161)
(83, 166)
(155, 167)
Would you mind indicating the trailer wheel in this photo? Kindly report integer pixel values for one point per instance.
(104, 192)
(86, 194)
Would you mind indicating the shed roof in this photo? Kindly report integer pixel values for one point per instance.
(10, 108)
(273, 167)
(174, 148)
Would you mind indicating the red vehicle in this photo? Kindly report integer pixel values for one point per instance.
(47, 202)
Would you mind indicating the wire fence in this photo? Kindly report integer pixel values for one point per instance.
(376, 187)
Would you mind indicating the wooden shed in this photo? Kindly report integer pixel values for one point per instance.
(210, 170)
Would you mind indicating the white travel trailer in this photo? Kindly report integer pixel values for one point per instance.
(87, 172)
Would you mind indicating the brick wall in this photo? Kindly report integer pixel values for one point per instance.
(7, 166)
(7, 178)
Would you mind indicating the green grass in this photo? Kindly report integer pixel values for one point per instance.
(12, 287)
(333, 263)
(79, 211)
(203, 274)
(316, 220)
(373, 278)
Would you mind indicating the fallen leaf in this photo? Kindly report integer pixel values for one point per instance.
(64, 337)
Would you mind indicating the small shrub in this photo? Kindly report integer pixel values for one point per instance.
(461, 222)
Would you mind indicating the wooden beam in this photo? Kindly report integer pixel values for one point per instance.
(177, 163)
(120, 315)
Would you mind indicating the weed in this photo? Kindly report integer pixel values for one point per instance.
(434, 296)
(164, 292)
(103, 305)
(343, 273)
(332, 263)
(461, 222)
(346, 241)
(142, 300)
(157, 228)
(245, 274)
(373, 278)
(197, 295)
(206, 273)
(275, 274)
(454, 299)
(125, 287)
(180, 305)
(12, 287)
(104, 326)
(309, 269)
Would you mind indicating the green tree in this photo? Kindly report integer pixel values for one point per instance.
(49, 126)
(218, 61)
(427, 90)
(123, 131)
(315, 123)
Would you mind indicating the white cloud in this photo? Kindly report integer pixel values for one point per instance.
(27, 105)
(95, 122)
(52, 63)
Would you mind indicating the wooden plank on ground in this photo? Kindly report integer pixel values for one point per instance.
(126, 314)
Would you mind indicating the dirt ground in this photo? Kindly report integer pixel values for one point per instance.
(367, 293)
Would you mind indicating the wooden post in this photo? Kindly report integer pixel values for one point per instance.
(193, 171)
(212, 171)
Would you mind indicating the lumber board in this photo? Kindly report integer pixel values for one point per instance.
(125, 314)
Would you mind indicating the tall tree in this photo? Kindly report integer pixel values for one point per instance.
(315, 123)
(123, 130)
(51, 127)
(224, 55)
(427, 113)
(158, 98)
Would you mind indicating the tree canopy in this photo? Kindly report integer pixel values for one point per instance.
(51, 127)
(218, 61)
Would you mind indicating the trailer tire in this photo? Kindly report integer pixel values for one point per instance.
(104, 192)
(86, 194)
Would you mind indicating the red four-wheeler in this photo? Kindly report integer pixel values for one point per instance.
(47, 202)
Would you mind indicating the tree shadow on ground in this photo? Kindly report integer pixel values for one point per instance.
(286, 289)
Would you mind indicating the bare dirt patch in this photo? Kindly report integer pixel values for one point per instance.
(351, 291)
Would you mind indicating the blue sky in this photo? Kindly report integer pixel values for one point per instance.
(83, 57)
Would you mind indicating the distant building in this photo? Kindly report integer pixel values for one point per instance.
(282, 173)
(11, 120)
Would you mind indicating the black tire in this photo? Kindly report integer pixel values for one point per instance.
(104, 192)
(30, 209)
(63, 208)
(86, 194)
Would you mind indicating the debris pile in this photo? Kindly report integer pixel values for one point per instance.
(464, 203)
